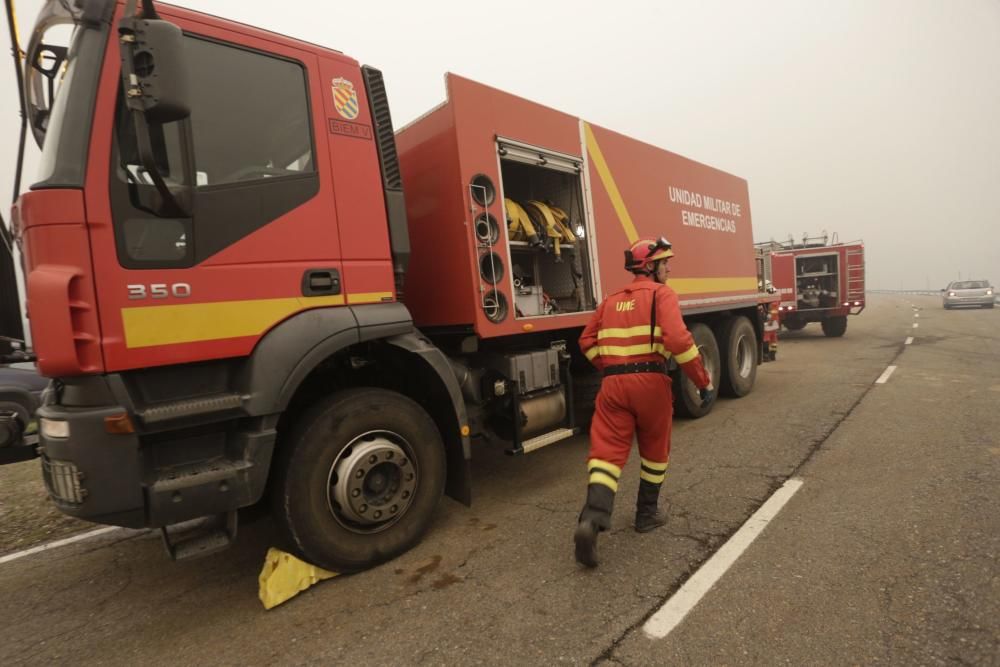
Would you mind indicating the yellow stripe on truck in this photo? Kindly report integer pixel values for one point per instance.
(609, 184)
(369, 297)
(710, 285)
(146, 326)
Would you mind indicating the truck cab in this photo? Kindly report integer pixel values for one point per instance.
(214, 244)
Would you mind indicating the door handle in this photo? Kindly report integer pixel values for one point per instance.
(317, 282)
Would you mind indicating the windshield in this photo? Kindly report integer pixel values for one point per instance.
(62, 68)
(970, 284)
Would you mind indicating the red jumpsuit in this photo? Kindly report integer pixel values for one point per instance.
(636, 404)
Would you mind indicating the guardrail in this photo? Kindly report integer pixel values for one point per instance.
(927, 292)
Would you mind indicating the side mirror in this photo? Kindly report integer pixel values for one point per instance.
(153, 69)
(154, 78)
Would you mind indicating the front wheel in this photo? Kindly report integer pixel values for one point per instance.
(793, 323)
(686, 399)
(359, 479)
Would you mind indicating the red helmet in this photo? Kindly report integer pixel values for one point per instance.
(644, 253)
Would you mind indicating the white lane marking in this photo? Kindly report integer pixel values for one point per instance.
(916, 324)
(684, 600)
(882, 379)
(909, 339)
(58, 543)
(916, 314)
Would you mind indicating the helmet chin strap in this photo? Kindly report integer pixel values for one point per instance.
(655, 270)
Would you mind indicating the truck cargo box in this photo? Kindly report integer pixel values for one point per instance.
(484, 162)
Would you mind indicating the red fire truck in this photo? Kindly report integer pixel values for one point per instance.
(235, 301)
(818, 279)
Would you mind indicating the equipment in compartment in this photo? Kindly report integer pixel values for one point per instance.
(552, 223)
(816, 280)
(549, 256)
(530, 300)
(520, 228)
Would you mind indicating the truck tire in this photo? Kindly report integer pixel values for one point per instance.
(738, 348)
(834, 327)
(794, 324)
(358, 479)
(687, 403)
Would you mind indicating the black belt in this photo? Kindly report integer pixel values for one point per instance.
(643, 367)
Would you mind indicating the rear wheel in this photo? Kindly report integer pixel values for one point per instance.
(359, 479)
(834, 327)
(686, 399)
(738, 348)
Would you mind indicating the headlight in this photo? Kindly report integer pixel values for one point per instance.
(989, 292)
(54, 429)
(951, 294)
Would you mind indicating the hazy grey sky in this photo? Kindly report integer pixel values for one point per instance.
(874, 119)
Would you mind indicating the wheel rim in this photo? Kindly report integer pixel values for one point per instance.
(744, 356)
(372, 482)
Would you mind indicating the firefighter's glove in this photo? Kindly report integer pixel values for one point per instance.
(707, 396)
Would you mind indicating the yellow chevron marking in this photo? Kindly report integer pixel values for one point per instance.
(609, 184)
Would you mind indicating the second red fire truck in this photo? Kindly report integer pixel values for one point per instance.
(818, 280)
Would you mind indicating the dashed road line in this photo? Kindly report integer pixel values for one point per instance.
(909, 339)
(882, 379)
(687, 597)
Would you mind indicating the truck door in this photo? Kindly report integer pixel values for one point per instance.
(262, 242)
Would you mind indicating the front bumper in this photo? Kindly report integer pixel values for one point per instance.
(151, 478)
(969, 300)
(93, 474)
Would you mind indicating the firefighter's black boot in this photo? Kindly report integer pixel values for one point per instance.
(647, 516)
(594, 518)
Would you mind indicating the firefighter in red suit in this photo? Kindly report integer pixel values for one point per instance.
(630, 338)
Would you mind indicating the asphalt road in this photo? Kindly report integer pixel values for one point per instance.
(887, 553)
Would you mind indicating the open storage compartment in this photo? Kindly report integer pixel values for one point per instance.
(817, 281)
(546, 226)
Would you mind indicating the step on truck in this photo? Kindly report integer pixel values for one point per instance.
(818, 279)
(248, 289)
